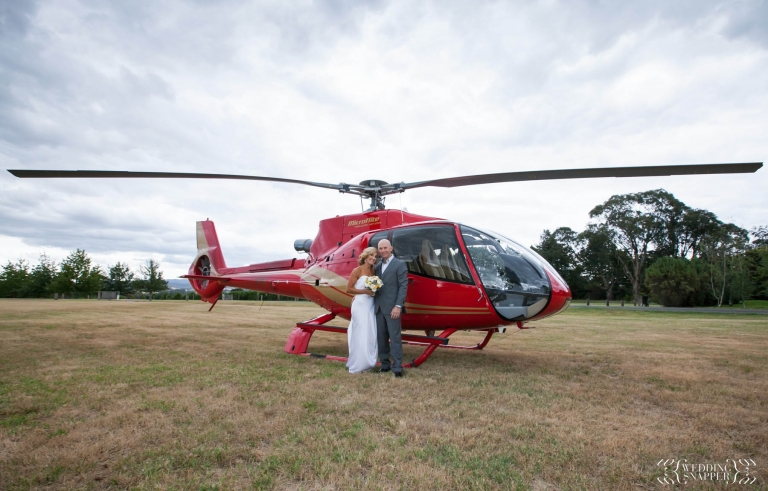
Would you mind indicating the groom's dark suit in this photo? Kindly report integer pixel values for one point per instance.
(395, 280)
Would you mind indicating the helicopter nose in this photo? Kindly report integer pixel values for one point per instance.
(561, 296)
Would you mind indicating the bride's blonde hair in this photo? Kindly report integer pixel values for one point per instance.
(364, 255)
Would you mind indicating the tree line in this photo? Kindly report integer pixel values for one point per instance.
(653, 244)
(77, 277)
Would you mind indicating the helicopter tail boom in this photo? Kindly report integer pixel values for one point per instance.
(209, 274)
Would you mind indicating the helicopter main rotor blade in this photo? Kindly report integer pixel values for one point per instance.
(109, 174)
(667, 170)
(379, 188)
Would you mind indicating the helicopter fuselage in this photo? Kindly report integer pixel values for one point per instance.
(458, 276)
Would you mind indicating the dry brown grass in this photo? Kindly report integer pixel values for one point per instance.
(165, 395)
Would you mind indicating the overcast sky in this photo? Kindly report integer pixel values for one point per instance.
(347, 90)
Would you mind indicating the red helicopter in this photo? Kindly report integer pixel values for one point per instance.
(460, 277)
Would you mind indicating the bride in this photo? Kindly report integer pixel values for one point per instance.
(363, 349)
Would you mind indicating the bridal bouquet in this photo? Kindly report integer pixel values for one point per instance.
(373, 283)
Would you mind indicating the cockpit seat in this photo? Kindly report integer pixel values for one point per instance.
(447, 262)
(429, 261)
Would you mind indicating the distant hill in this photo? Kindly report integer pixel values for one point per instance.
(179, 284)
(183, 285)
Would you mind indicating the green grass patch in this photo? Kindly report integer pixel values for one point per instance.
(757, 304)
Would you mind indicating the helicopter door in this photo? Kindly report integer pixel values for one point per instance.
(441, 290)
(431, 251)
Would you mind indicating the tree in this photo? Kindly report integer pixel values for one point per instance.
(152, 279)
(671, 281)
(41, 278)
(727, 272)
(670, 214)
(77, 276)
(695, 227)
(639, 224)
(756, 261)
(13, 279)
(559, 249)
(120, 279)
(599, 258)
(760, 235)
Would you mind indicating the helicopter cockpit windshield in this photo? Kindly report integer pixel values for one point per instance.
(513, 276)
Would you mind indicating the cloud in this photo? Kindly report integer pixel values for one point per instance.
(345, 91)
(747, 20)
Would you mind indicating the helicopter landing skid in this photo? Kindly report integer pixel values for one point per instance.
(298, 341)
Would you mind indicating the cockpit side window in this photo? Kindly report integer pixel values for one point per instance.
(374, 242)
(431, 251)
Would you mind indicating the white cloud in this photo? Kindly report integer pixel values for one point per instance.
(346, 91)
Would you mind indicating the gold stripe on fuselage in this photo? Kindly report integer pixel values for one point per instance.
(333, 287)
(413, 306)
(441, 312)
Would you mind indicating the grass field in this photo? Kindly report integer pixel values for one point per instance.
(749, 304)
(164, 395)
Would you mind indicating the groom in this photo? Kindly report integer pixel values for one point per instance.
(388, 305)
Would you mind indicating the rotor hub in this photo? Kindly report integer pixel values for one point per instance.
(373, 183)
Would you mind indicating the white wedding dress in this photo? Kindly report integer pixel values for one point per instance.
(361, 334)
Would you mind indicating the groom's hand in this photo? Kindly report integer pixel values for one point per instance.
(395, 313)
